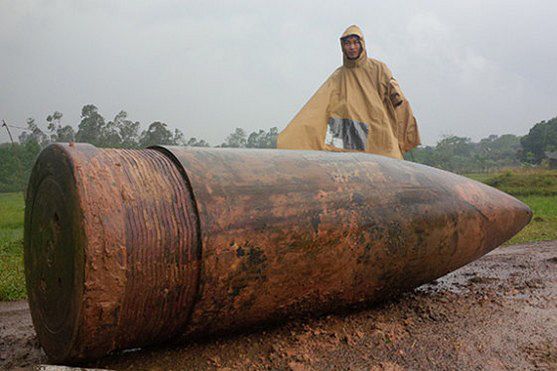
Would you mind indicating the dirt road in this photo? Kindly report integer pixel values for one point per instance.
(499, 312)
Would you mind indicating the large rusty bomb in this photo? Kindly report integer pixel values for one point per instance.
(126, 248)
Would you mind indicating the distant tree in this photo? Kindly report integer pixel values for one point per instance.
(256, 139)
(178, 139)
(271, 138)
(34, 134)
(157, 134)
(59, 133)
(91, 127)
(65, 134)
(452, 145)
(422, 155)
(236, 140)
(263, 139)
(461, 155)
(498, 151)
(110, 135)
(16, 162)
(122, 132)
(194, 142)
(129, 133)
(499, 147)
(452, 153)
(54, 121)
(542, 138)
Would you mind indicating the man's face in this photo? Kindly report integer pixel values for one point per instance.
(351, 47)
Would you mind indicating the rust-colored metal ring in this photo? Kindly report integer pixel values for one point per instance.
(111, 249)
(54, 261)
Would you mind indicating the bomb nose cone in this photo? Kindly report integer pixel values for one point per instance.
(512, 217)
(502, 215)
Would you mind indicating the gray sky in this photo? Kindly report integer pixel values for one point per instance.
(469, 68)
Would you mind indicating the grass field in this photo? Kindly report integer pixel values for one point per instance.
(12, 280)
(522, 182)
(536, 188)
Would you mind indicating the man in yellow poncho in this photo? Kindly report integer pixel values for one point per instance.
(359, 108)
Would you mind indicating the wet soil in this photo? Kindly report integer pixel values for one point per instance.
(499, 312)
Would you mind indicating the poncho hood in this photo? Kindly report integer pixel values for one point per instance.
(354, 31)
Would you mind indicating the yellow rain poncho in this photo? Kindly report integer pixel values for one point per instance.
(359, 108)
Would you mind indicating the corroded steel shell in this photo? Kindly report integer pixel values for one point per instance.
(126, 248)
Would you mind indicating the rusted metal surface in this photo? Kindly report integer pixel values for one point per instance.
(292, 231)
(111, 250)
(149, 245)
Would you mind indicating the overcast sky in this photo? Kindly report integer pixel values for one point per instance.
(469, 68)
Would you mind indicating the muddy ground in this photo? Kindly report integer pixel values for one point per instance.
(499, 312)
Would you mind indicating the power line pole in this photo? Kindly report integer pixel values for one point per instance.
(19, 165)
(8, 129)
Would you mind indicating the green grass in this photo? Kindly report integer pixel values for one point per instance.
(522, 182)
(12, 279)
(536, 188)
(544, 222)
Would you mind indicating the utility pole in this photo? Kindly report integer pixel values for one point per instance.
(8, 129)
(19, 166)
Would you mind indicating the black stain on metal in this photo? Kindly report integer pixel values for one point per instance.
(358, 199)
(315, 219)
(395, 239)
(256, 258)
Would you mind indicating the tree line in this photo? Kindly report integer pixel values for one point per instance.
(452, 153)
(121, 132)
(461, 155)
(16, 160)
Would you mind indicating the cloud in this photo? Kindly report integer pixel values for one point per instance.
(469, 68)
